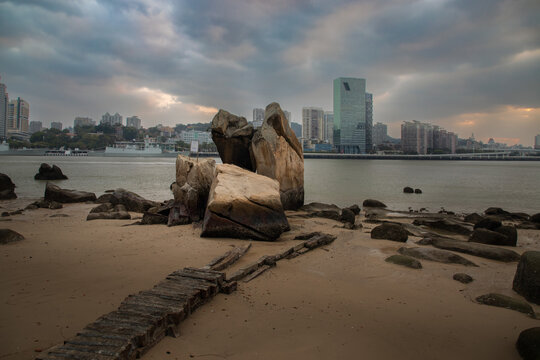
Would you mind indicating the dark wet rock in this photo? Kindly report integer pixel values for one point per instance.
(476, 249)
(520, 216)
(507, 302)
(132, 201)
(495, 211)
(55, 193)
(473, 218)
(527, 277)
(5, 213)
(445, 224)
(417, 191)
(390, 231)
(154, 219)
(111, 215)
(510, 232)
(347, 216)
(7, 188)
(535, 218)
(485, 236)
(437, 255)
(46, 172)
(404, 261)
(105, 207)
(528, 344)
(328, 211)
(408, 190)
(9, 236)
(373, 203)
(354, 208)
(463, 278)
(487, 223)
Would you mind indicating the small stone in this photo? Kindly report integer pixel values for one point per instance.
(404, 261)
(417, 191)
(408, 190)
(463, 278)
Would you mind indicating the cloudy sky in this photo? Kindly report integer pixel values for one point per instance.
(469, 66)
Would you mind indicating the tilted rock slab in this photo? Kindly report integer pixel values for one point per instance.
(244, 205)
(232, 135)
(476, 249)
(277, 153)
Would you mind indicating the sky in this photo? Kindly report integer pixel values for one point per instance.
(468, 66)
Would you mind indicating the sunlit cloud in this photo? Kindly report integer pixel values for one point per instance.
(158, 98)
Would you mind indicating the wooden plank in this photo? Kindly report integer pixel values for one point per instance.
(256, 273)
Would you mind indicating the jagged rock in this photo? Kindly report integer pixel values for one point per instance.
(373, 203)
(328, 211)
(408, 190)
(487, 223)
(417, 191)
(507, 302)
(476, 249)
(7, 188)
(46, 172)
(9, 236)
(437, 255)
(535, 218)
(278, 154)
(243, 204)
(404, 261)
(445, 224)
(355, 209)
(528, 344)
(390, 231)
(232, 135)
(485, 236)
(510, 232)
(473, 218)
(178, 215)
(463, 278)
(495, 211)
(527, 278)
(130, 200)
(55, 193)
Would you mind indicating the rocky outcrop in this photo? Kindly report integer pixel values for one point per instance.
(445, 225)
(390, 231)
(373, 203)
(107, 211)
(404, 261)
(480, 250)
(527, 278)
(46, 172)
(278, 154)
(510, 232)
(437, 255)
(132, 202)
(485, 236)
(528, 344)
(7, 188)
(243, 204)
(232, 135)
(9, 236)
(55, 193)
(44, 204)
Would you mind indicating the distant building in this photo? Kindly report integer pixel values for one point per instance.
(369, 122)
(18, 115)
(56, 125)
(4, 101)
(83, 121)
(537, 142)
(35, 126)
(422, 138)
(204, 137)
(328, 125)
(112, 120)
(287, 115)
(258, 117)
(133, 121)
(313, 123)
(297, 128)
(380, 133)
(350, 115)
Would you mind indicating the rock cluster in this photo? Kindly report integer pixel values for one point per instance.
(46, 172)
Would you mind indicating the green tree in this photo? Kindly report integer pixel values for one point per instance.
(130, 133)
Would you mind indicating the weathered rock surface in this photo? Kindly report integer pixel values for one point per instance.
(390, 231)
(404, 261)
(278, 154)
(46, 172)
(55, 193)
(355, 209)
(473, 218)
(476, 249)
(463, 278)
(487, 223)
(535, 218)
(328, 211)
(232, 135)
(528, 344)
(348, 217)
(445, 225)
(132, 202)
(485, 236)
(510, 232)
(9, 236)
(154, 219)
(408, 190)
(507, 302)
(527, 278)
(7, 188)
(109, 212)
(243, 204)
(373, 203)
(437, 255)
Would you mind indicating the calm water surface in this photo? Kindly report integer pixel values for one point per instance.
(461, 186)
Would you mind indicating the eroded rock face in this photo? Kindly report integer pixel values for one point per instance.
(46, 172)
(55, 193)
(232, 135)
(7, 188)
(243, 204)
(277, 153)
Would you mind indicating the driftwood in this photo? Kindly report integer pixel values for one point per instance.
(230, 257)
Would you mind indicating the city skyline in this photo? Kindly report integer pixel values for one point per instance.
(467, 67)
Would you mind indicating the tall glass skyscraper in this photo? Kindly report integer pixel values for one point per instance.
(350, 115)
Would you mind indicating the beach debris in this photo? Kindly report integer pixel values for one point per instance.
(7, 188)
(390, 231)
(485, 236)
(55, 193)
(528, 344)
(442, 256)
(46, 172)
(256, 273)
(9, 236)
(507, 302)
(476, 249)
(527, 278)
(244, 205)
(132, 201)
(447, 225)
(404, 261)
(408, 190)
(473, 218)
(373, 203)
(58, 215)
(463, 278)
(108, 212)
(230, 257)
(232, 135)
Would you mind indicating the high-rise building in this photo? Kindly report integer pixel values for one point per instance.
(329, 127)
(313, 123)
(112, 120)
(56, 125)
(83, 121)
(258, 117)
(18, 115)
(133, 121)
(537, 142)
(297, 128)
(35, 126)
(421, 138)
(350, 115)
(287, 115)
(369, 122)
(4, 100)
(380, 133)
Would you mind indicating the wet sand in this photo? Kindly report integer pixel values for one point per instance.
(339, 302)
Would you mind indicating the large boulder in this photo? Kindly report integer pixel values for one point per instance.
(487, 223)
(46, 172)
(243, 204)
(55, 193)
(476, 249)
(528, 344)
(442, 256)
(373, 203)
(390, 231)
(8, 236)
(510, 232)
(316, 209)
(193, 181)
(278, 154)
(7, 188)
(527, 278)
(132, 202)
(445, 225)
(232, 135)
(473, 218)
(485, 236)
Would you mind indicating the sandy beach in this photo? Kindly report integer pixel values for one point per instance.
(342, 301)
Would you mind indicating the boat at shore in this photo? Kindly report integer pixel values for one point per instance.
(132, 148)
